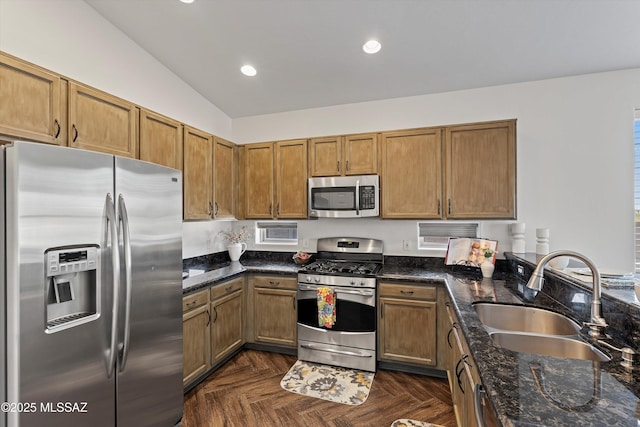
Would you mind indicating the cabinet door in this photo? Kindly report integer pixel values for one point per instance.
(325, 156)
(481, 170)
(291, 179)
(360, 154)
(275, 316)
(160, 140)
(411, 178)
(101, 122)
(198, 174)
(259, 180)
(31, 102)
(196, 343)
(399, 340)
(224, 183)
(226, 325)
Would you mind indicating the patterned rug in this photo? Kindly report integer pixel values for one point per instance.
(412, 423)
(340, 385)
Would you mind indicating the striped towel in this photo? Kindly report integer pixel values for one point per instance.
(326, 307)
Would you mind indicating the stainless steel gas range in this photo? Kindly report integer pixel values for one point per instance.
(337, 303)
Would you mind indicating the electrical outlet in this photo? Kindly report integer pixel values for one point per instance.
(305, 243)
(209, 243)
(406, 245)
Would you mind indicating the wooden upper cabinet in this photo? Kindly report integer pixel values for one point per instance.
(325, 155)
(480, 170)
(411, 177)
(344, 155)
(291, 179)
(197, 174)
(360, 154)
(258, 188)
(160, 139)
(32, 102)
(101, 122)
(224, 182)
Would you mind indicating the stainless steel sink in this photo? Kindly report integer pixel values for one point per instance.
(548, 345)
(522, 318)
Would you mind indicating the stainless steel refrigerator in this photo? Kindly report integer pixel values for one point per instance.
(92, 289)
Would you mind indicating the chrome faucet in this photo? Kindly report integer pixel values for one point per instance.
(597, 324)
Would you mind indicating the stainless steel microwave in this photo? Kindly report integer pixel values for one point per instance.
(344, 196)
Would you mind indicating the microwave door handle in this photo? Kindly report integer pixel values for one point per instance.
(358, 197)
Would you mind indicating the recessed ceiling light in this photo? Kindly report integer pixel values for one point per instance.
(372, 46)
(248, 70)
(187, 1)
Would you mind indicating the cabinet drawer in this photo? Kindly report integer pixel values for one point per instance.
(195, 300)
(280, 282)
(408, 291)
(226, 288)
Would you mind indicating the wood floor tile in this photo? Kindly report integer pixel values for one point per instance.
(246, 392)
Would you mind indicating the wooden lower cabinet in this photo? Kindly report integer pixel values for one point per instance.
(463, 376)
(227, 318)
(401, 307)
(273, 310)
(196, 321)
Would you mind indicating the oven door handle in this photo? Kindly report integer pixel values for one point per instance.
(358, 197)
(333, 350)
(363, 292)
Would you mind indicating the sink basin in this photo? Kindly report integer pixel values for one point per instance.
(522, 318)
(548, 345)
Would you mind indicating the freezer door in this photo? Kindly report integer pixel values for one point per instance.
(149, 205)
(56, 198)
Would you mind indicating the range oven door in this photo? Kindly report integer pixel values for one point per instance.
(355, 308)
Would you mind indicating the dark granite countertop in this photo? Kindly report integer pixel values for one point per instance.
(524, 389)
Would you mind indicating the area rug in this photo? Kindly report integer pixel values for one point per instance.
(412, 423)
(340, 385)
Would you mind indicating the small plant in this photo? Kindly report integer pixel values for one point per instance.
(488, 253)
(236, 236)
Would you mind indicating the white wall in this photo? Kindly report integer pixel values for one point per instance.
(72, 39)
(574, 151)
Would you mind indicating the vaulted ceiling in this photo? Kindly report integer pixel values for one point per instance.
(308, 53)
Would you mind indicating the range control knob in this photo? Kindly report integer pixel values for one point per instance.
(308, 278)
(352, 283)
(316, 279)
(362, 283)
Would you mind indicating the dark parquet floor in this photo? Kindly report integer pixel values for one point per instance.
(246, 392)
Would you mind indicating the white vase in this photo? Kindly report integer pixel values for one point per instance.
(236, 250)
(487, 268)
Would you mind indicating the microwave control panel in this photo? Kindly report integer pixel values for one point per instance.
(367, 197)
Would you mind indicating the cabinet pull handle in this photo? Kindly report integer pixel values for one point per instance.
(270, 210)
(192, 303)
(216, 313)
(228, 288)
(210, 209)
(272, 283)
(459, 372)
(75, 133)
(453, 326)
(278, 209)
(439, 207)
(216, 211)
(347, 166)
(403, 292)
(381, 310)
(449, 206)
(338, 166)
(208, 317)
(57, 128)
(293, 300)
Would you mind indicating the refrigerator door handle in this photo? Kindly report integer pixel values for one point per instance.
(123, 219)
(115, 259)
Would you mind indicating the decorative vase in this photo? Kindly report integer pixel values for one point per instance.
(236, 250)
(487, 268)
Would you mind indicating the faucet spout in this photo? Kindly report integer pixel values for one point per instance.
(597, 323)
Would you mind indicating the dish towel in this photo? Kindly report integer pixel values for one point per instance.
(326, 307)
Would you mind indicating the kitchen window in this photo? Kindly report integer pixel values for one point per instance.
(435, 236)
(276, 233)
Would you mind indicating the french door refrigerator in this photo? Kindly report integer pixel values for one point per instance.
(92, 289)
